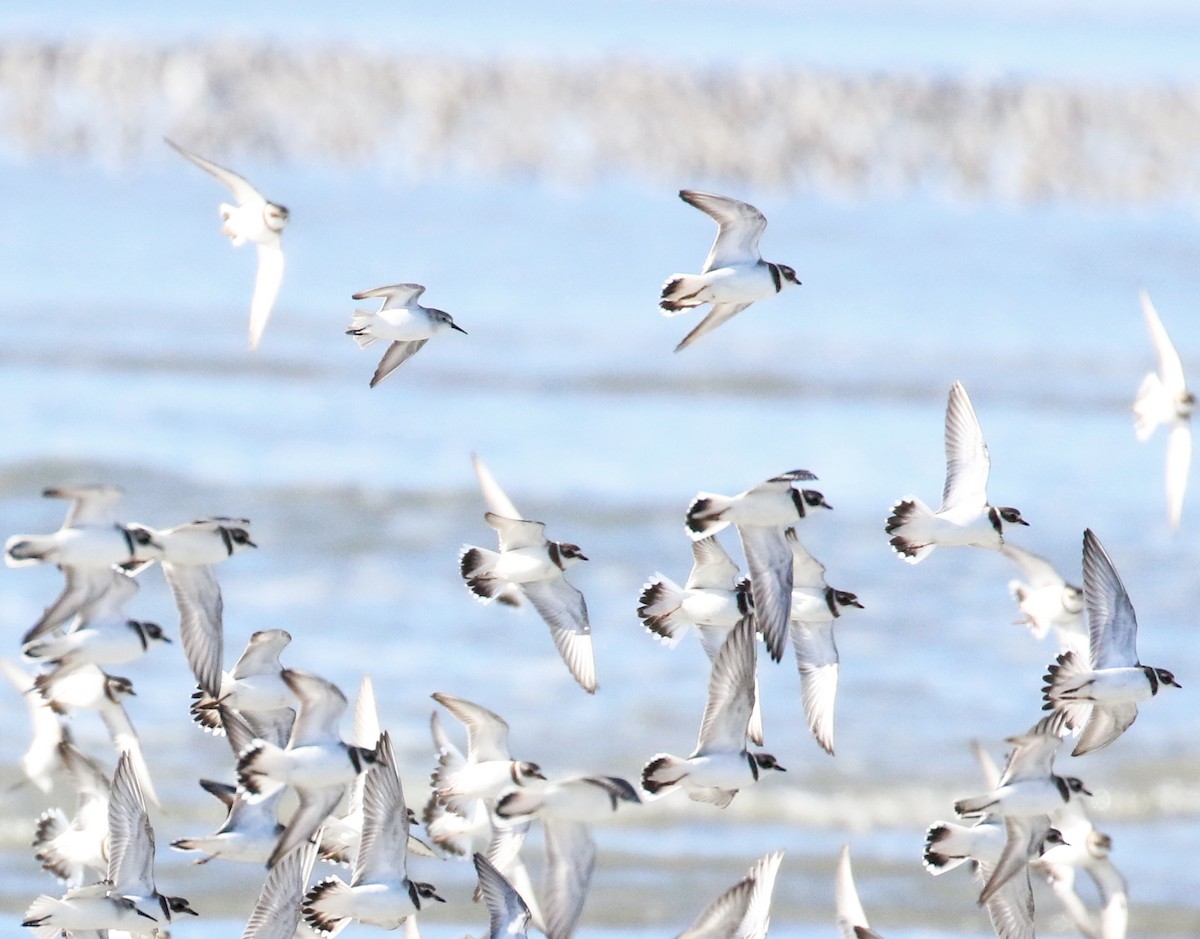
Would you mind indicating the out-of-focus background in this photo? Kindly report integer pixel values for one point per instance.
(967, 194)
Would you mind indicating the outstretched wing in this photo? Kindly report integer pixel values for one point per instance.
(718, 313)
(395, 297)
(967, 460)
(563, 608)
(242, 191)
(399, 352)
(266, 287)
(739, 228)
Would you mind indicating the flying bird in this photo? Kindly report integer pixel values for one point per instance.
(1046, 600)
(816, 608)
(488, 768)
(567, 808)
(88, 544)
(1164, 399)
(734, 273)
(187, 554)
(1099, 698)
(316, 762)
(127, 899)
(256, 220)
(380, 893)
(965, 517)
(401, 320)
(720, 765)
(761, 515)
(536, 566)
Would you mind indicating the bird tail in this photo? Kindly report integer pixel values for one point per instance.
(23, 550)
(40, 910)
(681, 293)
(945, 848)
(704, 514)
(257, 764)
(663, 772)
(1149, 401)
(659, 607)
(205, 713)
(1019, 593)
(50, 825)
(904, 526)
(360, 322)
(325, 906)
(1063, 681)
(475, 565)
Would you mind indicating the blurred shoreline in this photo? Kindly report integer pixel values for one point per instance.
(1022, 139)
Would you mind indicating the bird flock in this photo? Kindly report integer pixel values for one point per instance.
(284, 723)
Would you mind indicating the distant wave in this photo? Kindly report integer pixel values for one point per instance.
(1021, 139)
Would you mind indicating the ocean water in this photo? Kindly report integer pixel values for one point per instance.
(123, 359)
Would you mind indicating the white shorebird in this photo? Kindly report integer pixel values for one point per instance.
(1164, 399)
(255, 688)
(90, 688)
(537, 567)
(1046, 600)
(816, 607)
(567, 808)
(69, 849)
(734, 273)
(1099, 698)
(458, 829)
(316, 762)
(380, 893)
(761, 514)
(88, 544)
(43, 758)
(1028, 786)
(101, 635)
(402, 321)
(251, 828)
(188, 554)
(256, 220)
(713, 600)
(965, 516)
(488, 769)
(1084, 848)
(720, 765)
(1000, 849)
(127, 900)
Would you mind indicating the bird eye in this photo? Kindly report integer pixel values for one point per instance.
(812, 498)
